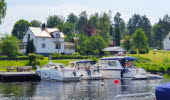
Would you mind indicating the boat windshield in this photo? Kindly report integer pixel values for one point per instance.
(112, 63)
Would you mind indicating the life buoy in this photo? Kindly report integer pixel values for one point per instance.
(45, 75)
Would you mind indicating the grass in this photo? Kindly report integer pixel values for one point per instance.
(4, 63)
(154, 61)
(158, 57)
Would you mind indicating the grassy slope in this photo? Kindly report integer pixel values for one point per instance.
(158, 57)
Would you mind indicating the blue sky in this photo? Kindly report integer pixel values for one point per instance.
(41, 9)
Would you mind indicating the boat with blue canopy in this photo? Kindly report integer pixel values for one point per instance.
(122, 67)
(86, 69)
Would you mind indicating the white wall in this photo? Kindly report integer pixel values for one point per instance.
(50, 46)
(166, 42)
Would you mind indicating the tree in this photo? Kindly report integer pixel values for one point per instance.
(67, 28)
(92, 43)
(123, 29)
(117, 19)
(72, 18)
(96, 43)
(3, 7)
(53, 21)
(9, 46)
(81, 22)
(30, 48)
(35, 23)
(104, 25)
(138, 21)
(157, 36)
(20, 28)
(139, 40)
(127, 42)
(94, 20)
(117, 36)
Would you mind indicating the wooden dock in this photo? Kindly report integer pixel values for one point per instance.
(18, 76)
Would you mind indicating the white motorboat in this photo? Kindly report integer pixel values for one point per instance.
(52, 71)
(121, 67)
(86, 69)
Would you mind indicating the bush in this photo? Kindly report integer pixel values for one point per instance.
(20, 54)
(142, 51)
(35, 63)
(133, 52)
(32, 57)
(16, 58)
(55, 54)
(69, 57)
(40, 57)
(75, 54)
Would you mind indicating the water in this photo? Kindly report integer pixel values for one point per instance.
(83, 90)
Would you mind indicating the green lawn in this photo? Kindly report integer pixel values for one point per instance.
(4, 63)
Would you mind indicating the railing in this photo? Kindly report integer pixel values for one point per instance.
(58, 40)
(136, 96)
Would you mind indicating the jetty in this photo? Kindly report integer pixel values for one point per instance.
(18, 76)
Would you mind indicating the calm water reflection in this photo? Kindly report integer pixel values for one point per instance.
(83, 90)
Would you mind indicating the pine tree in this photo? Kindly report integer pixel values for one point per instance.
(30, 48)
(117, 36)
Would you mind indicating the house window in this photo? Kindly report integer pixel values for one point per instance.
(28, 36)
(43, 45)
(169, 38)
(57, 35)
(58, 46)
(43, 39)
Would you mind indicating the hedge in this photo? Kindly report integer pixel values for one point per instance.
(69, 57)
(17, 58)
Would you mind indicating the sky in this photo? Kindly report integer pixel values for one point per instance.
(41, 9)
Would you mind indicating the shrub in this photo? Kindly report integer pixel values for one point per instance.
(20, 54)
(75, 54)
(31, 57)
(142, 51)
(133, 52)
(40, 57)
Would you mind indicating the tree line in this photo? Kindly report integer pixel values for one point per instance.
(102, 25)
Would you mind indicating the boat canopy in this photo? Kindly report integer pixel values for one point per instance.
(119, 58)
(163, 91)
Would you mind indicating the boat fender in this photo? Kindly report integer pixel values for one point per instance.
(74, 73)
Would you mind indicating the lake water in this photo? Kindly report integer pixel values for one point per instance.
(82, 90)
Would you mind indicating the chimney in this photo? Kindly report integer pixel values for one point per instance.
(43, 26)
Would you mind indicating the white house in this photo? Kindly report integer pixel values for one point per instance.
(166, 42)
(47, 40)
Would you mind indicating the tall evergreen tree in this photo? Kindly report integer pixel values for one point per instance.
(117, 36)
(117, 21)
(30, 48)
